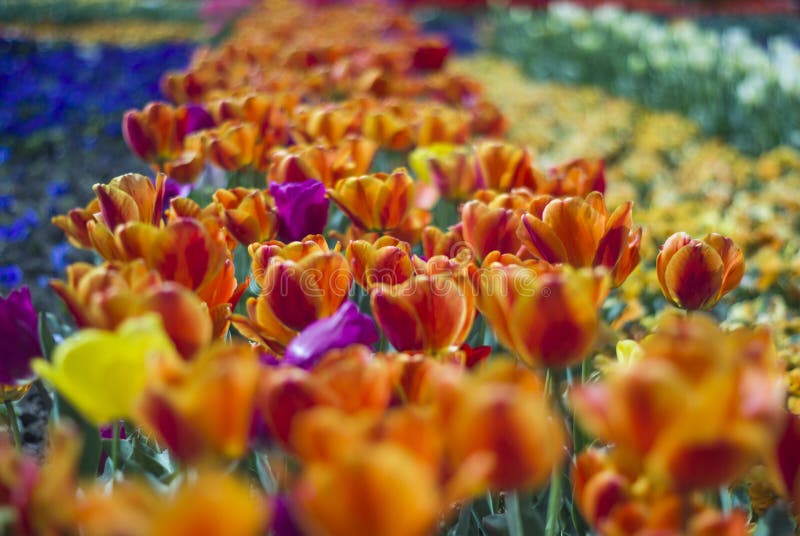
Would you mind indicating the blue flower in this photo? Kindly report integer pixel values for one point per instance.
(10, 276)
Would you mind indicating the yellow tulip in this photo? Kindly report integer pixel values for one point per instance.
(102, 372)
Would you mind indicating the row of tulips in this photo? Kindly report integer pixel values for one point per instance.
(227, 346)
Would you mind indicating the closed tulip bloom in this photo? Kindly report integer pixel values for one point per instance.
(581, 232)
(156, 133)
(449, 168)
(387, 260)
(501, 166)
(376, 202)
(430, 313)
(350, 158)
(101, 372)
(20, 335)
(696, 274)
(487, 227)
(548, 318)
(294, 251)
(294, 295)
(247, 214)
(302, 208)
(238, 146)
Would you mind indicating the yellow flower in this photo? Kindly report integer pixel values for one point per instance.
(102, 372)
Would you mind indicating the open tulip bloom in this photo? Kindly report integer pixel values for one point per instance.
(330, 343)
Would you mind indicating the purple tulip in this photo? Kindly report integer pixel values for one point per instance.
(197, 118)
(345, 327)
(302, 208)
(19, 333)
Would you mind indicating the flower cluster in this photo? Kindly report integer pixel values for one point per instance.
(288, 332)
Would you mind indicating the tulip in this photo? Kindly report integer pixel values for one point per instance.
(612, 503)
(345, 327)
(387, 260)
(431, 54)
(105, 296)
(203, 407)
(547, 318)
(247, 214)
(696, 274)
(488, 228)
(20, 335)
(697, 408)
(580, 232)
(211, 502)
(502, 167)
(238, 146)
(294, 251)
(376, 202)
(302, 208)
(399, 492)
(503, 413)
(101, 372)
(188, 252)
(125, 199)
(39, 495)
(579, 178)
(430, 313)
(441, 124)
(449, 168)
(351, 158)
(388, 130)
(156, 133)
(294, 295)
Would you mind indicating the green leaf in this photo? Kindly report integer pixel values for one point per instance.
(778, 521)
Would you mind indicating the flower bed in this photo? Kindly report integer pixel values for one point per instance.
(285, 332)
(730, 85)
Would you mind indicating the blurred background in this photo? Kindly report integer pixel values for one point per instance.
(69, 69)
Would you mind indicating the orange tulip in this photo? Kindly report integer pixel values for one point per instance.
(582, 233)
(449, 243)
(487, 228)
(449, 168)
(204, 407)
(503, 413)
(579, 177)
(387, 260)
(294, 294)
(247, 214)
(546, 317)
(615, 503)
(695, 274)
(695, 411)
(429, 312)
(441, 124)
(39, 496)
(191, 162)
(186, 252)
(295, 251)
(399, 492)
(156, 133)
(501, 166)
(238, 146)
(127, 198)
(377, 202)
(388, 129)
(211, 502)
(105, 296)
(352, 157)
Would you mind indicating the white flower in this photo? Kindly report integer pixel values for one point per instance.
(752, 90)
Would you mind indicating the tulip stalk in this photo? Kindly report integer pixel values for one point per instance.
(514, 514)
(13, 424)
(115, 438)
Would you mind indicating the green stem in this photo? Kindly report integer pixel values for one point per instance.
(115, 447)
(12, 422)
(490, 501)
(553, 504)
(513, 514)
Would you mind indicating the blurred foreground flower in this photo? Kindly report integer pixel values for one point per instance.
(102, 372)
